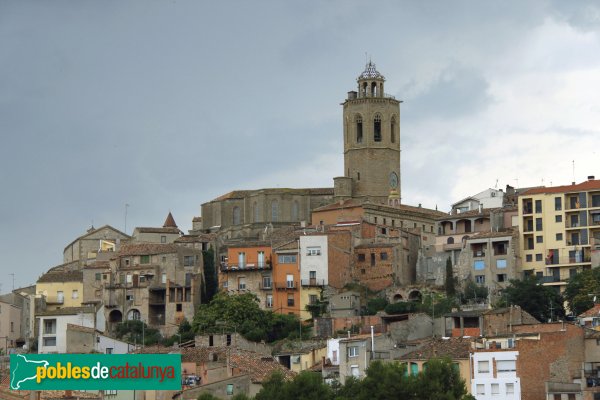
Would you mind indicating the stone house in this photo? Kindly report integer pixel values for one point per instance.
(10, 323)
(157, 283)
(168, 233)
(86, 247)
(82, 339)
(357, 352)
(52, 325)
(482, 322)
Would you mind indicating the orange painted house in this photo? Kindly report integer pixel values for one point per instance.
(286, 279)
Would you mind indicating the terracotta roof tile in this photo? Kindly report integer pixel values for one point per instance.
(455, 348)
(258, 366)
(149, 229)
(67, 311)
(592, 312)
(170, 221)
(141, 249)
(61, 276)
(579, 187)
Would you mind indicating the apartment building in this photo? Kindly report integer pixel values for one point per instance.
(560, 230)
(248, 268)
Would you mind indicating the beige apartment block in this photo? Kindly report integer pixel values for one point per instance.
(560, 230)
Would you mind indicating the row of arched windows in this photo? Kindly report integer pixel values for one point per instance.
(237, 213)
(377, 131)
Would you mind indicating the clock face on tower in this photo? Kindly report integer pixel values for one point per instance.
(393, 180)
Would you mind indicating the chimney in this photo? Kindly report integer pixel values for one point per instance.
(591, 177)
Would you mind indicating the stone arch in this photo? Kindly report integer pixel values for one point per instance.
(414, 295)
(115, 316)
(134, 315)
(450, 240)
(397, 298)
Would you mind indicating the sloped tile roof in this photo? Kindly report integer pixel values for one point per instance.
(579, 187)
(141, 249)
(149, 229)
(454, 348)
(259, 367)
(592, 312)
(61, 276)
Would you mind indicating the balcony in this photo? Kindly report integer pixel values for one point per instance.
(313, 282)
(263, 286)
(287, 285)
(549, 279)
(527, 209)
(245, 266)
(55, 300)
(453, 246)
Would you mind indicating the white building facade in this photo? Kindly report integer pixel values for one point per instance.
(314, 260)
(495, 375)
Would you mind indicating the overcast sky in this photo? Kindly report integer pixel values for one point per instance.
(165, 105)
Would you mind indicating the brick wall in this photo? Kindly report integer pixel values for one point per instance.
(340, 258)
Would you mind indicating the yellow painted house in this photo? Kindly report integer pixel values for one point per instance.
(61, 288)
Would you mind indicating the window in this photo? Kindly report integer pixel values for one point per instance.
(538, 257)
(506, 365)
(372, 259)
(164, 259)
(393, 130)
(501, 277)
(237, 215)
(538, 206)
(495, 389)
(539, 239)
(230, 389)
(558, 218)
(129, 297)
(274, 211)
(313, 251)
(361, 257)
(528, 258)
(377, 128)
(75, 294)
(289, 281)
(358, 176)
(98, 276)
(164, 277)
(50, 341)
(480, 389)
(266, 281)
(479, 265)
(501, 263)
(557, 203)
(12, 326)
(269, 301)
(242, 283)
(312, 299)
(225, 284)
(188, 261)
(483, 366)
(133, 315)
(538, 224)
(60, 296)
(596, 200)
(290, 300)
(559, 236)
(480, 279)
(108, 350)
(383, 256)
(334, 357)
(178, 307)
(128, 279)
(359, 129)
(510, 388)
(353, 351)
(145, 259)
(286, 259)
(163, 239)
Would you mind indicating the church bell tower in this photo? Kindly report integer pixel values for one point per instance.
(371, 142)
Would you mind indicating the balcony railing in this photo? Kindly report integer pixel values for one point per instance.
(55, 300)
(528, 210)
(265, 286)
(287, 285)
(245, 266)
(549, 279)
(313, 282)
(569, 260)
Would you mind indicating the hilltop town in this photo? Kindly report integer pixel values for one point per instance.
(330, 280)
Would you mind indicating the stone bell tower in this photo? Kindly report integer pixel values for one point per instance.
(371, 142)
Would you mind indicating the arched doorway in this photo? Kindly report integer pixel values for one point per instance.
(115, 316)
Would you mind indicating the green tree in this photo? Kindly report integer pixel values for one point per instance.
(207, 396)
(473, 292)
(305, 386)
(134, 331)
(210, 287)
(376, 304)
(439, 381)
(542, 302)
(449, 284)
(581, 289)
(272, 388)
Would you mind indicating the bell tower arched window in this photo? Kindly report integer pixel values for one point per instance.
(359, 129)
(393, 130)
(377, 128)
